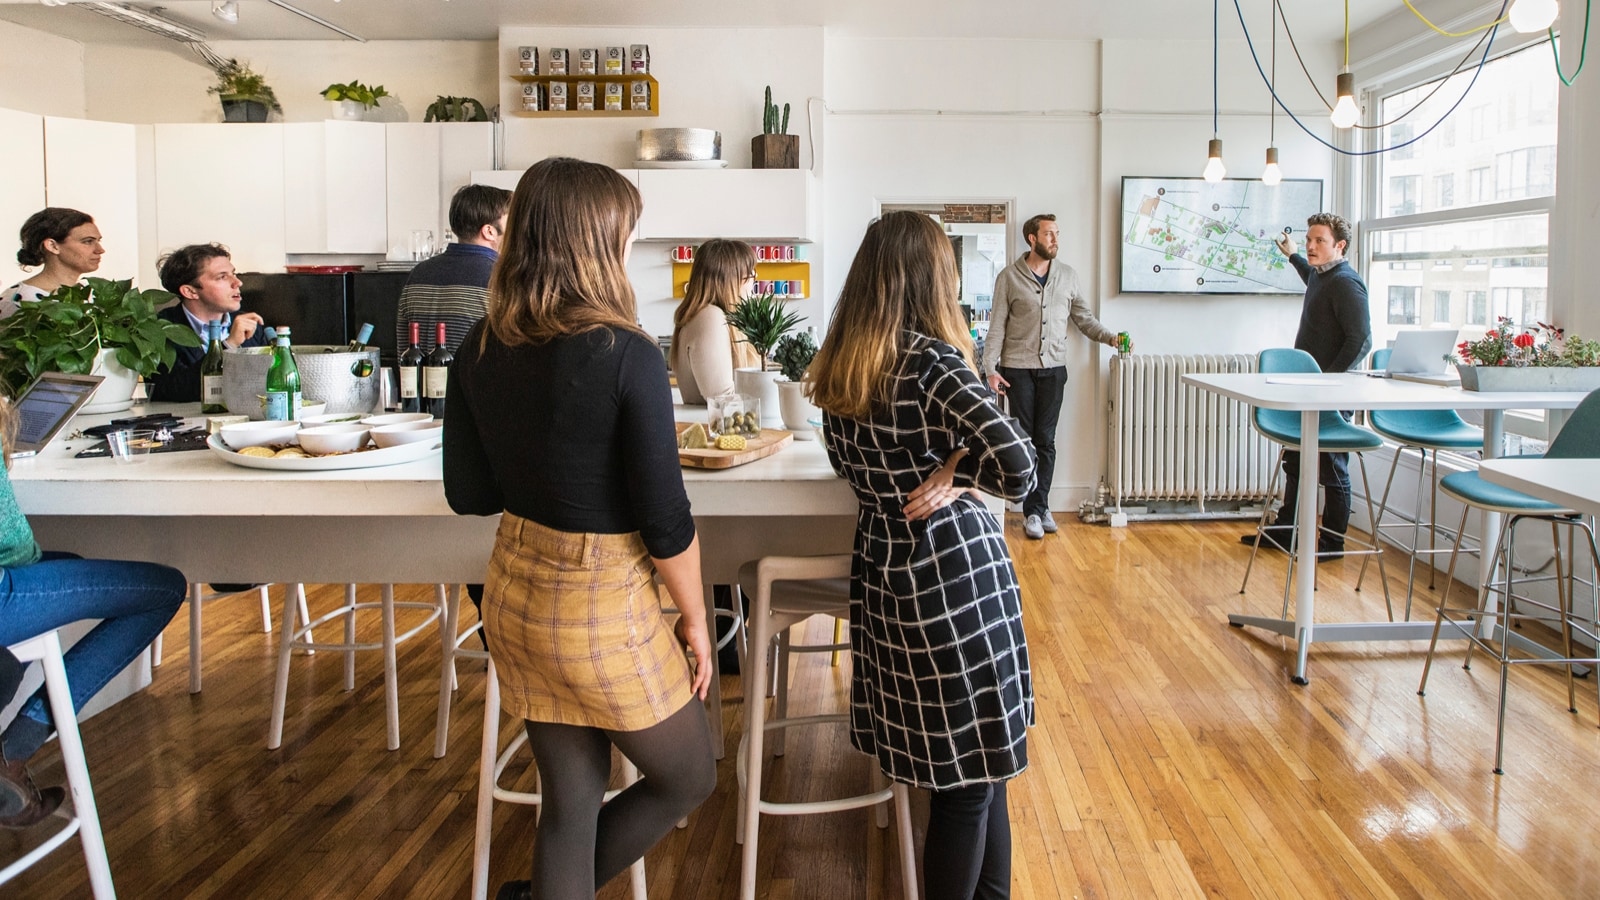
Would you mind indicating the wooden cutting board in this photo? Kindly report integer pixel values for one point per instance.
(770, 441)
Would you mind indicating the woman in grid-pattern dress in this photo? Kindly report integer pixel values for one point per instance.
(941, 691)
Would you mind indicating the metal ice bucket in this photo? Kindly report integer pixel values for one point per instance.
(327, 373)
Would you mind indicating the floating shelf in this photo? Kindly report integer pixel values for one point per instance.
(600, 111)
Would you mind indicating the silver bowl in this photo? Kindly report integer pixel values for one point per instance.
(677, 144)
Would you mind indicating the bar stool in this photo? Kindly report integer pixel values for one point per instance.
(1420, 430)
(300, 638)
(85, 821)
(451, 641)
(198, 597)
(1334, 435)
(785, 591)
(1579, 439)
(492, 764)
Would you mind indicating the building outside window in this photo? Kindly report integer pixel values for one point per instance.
(1477, 308)
(1444, 190)
(1403, 304)
(1441, 306)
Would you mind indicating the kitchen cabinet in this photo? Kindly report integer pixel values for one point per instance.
(508, 178)
(334, 182)
(21, 182)
(424, 165)
(222, 183)
(750, 204)
(93, 167)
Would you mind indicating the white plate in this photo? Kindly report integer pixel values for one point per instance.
(681, 163)
(367, 459)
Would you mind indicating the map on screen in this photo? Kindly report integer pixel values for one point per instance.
(1191, 236)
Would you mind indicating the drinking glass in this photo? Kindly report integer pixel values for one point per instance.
(131, 446)
(421, 244)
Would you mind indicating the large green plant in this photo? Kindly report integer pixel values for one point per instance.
(66, 330)
(455, 109)
(355, 90)
(763, 321)
(236, 82)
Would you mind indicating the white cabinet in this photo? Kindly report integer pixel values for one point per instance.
(93, 167)
(333, 182)
(222, 183)
(21, 184)
(425, 164)
(750, 204)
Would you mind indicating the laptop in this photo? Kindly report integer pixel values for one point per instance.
(47, 406)
(1421, 354)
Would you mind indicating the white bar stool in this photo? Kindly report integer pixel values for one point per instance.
(292, 640)
(450, 643)
(85, 821)
(198, 597)
(785, 591)
(490, 767)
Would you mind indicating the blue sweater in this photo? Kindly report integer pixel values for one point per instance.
(1335, 324)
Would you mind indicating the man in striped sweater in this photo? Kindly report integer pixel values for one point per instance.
(453, 287)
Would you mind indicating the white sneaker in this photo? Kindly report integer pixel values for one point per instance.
(1033, 528)
(1049, 523)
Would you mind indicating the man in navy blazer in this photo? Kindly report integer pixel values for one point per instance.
(208, 291)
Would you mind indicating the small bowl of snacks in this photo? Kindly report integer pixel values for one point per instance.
(396, 418)
(341, 437)
(331, 419)
(260, 433)
(309, 407)
(406, 433)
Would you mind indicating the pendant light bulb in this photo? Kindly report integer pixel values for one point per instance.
(1533, 15)
(1345, 112)
(1214, 167)
(1271, 175)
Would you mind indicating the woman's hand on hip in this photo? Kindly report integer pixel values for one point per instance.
(698, 639)
(937, 492)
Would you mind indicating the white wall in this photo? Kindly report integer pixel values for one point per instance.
(40, 73)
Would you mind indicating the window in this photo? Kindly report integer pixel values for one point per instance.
(1403, 305)
(1477, 308)
(1399, 134)
(1444, 190)
(1477, 117)
(1523, 305)
(1528, 172)
(1403, 191)
(1478, 185)
(1446, 134)
(1441, 307)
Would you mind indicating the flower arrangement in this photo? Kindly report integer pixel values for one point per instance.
(1546, 346)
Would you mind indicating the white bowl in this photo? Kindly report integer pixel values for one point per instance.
(337, 438)
(240, 435)
(396, 418)
(331, 419)
(311, 408)
(406, 433)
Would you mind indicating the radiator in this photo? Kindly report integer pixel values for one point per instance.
(1172, 442)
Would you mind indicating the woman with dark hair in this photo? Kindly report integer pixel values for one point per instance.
(561, 422)
(41, 591)
(705, 351)
(65, 242)
(941, 691)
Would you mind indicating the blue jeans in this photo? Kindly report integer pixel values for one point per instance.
(135, 600)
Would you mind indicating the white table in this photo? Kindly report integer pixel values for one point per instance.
(1573, 483)
(1358, 391)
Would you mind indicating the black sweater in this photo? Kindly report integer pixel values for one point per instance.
(575, 434)
(1335, 325)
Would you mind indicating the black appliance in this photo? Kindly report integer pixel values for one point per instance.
(328, 309)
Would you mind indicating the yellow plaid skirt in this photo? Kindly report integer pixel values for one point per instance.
(574, 625)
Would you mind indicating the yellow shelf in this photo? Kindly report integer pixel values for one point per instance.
(599, 111)
(788, 270)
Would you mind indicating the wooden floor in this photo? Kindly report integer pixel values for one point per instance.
(1172, 757)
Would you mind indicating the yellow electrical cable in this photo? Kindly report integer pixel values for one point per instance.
(1347, 35)
(1452, 34)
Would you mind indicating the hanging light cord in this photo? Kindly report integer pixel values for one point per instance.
(1452, 34)
(1272, 106)
(1216, 36)
(1324, 142)
(1583, 48)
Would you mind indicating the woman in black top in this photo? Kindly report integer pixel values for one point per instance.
(940, 688)
(561, 419)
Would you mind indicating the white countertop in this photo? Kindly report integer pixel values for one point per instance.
(1353, 390)
(1573, 483)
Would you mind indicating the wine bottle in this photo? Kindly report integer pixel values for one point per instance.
(211, 373)
(435, 370)
(410, 364)
(283, 381)
(362, 336)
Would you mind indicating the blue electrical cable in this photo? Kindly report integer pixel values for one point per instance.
(1272, 89)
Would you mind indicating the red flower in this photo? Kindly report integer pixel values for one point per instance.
(1491, 334)
(1523, 340)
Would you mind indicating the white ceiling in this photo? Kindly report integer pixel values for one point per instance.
(482, 19)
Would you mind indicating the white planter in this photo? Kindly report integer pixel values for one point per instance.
(797, 409)
(115, 394)
(763, 385)
(348, 110)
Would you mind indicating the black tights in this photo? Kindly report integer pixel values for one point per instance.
(676, 773)
(967, 855)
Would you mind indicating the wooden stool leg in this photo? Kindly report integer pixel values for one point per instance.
(195, 607)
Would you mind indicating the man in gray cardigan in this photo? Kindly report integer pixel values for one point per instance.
(1025, 353)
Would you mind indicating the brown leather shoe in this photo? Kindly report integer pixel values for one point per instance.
(21, 803)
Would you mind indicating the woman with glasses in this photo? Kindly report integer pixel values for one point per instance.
(705, 349)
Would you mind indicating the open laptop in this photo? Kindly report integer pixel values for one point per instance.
(47, 406)
(1421, 355)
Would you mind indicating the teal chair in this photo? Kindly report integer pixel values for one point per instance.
(1579, 439)
(1334, 435)
(1421, 430)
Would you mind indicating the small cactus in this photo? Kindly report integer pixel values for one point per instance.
(773, 120)
(785, 128)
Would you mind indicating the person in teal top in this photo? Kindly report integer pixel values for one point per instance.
(41, 591)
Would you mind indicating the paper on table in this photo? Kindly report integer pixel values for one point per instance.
(1305, 381)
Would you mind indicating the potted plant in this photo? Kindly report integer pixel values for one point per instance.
(774, 147)
(793, 356)
(245, 95)
(1544, 359)
(101, 327)
(455, 109)
(352, 100)
(763, 321)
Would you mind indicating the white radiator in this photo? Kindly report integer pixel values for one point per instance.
(1172, 442)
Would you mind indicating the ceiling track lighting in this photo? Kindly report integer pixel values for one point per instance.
(138, 18)
(1533, 15)
(289, 7)
(226, 10)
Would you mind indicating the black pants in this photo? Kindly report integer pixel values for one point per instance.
(1333, 473)
(967, 855)
(1034, 399)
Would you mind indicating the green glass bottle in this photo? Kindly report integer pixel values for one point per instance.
(283, 381)
(211, 374)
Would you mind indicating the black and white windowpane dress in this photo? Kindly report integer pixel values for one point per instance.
(941, 691)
